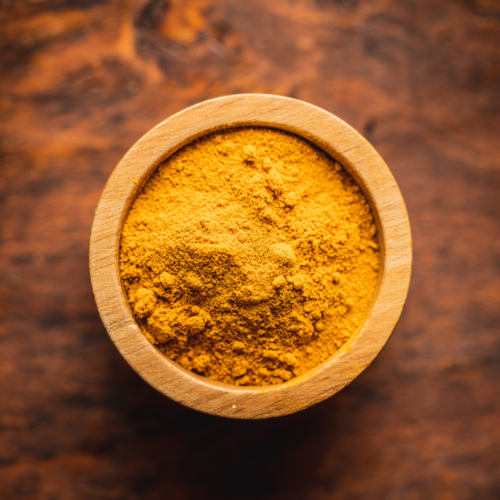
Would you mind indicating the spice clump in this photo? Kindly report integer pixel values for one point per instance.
(250, 256)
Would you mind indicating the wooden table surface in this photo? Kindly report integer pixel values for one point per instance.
(80, 81)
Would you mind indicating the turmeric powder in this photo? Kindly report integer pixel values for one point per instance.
(250, 256)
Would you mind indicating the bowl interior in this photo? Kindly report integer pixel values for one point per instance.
(330, 152)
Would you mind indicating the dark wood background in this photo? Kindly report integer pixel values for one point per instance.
(81, 80)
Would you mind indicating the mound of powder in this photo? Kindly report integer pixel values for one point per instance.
(250, 256)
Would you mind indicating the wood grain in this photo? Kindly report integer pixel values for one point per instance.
(83, 80)
(344, 144)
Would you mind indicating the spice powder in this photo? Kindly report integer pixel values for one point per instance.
(250, 256)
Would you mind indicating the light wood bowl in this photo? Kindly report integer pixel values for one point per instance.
(341, 142)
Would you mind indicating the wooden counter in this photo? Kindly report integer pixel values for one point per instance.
(81, 81)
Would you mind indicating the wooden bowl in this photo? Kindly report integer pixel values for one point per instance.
(341, 142)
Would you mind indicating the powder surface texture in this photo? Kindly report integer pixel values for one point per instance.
(250, 256)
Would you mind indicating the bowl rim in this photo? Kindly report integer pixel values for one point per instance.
(341, 142)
